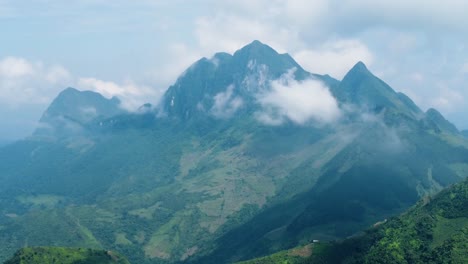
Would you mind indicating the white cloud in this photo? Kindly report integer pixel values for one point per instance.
(298, 101)
(26, 88)
(225, 104)
(306, 12)
(131, 95)
(227, 32)
(296, 12)
(12, 67)
(23, 82)
(181, 57)
(233, 24)
(335, 57)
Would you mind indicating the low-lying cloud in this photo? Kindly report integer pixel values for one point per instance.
(297, 101)
(225, 103)
(132, 96)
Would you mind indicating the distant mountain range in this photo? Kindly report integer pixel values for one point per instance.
(246, 155)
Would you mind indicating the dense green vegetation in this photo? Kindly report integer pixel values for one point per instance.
(433, 231)
(185, 184)
(61, 255)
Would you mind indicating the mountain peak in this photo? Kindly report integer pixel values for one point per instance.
(360, 64)
(362, 88)
(257, 53)
(433, 112)
(74, 108)
(69, 91)
(439, 120)
(256, 44)
(194, 92)
(360, 68)
(358, 73)
(222, 56)
(255, 50)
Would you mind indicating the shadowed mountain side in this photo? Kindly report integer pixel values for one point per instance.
(433, 231)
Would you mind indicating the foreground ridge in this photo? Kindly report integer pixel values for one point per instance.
(433, 231)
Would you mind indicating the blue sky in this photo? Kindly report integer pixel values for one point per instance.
(136, 49)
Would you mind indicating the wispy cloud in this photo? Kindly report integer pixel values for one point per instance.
(226, 103)
(132, 96)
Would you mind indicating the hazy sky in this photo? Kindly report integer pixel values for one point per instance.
(136, 49)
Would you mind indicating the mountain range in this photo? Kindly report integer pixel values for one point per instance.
(245, 155)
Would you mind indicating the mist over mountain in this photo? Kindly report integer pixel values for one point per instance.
(245, 155)
(226, 84)
(73, 109)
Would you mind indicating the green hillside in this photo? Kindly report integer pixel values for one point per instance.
(60, 255)
(191, 181)
(433, 231)
(298, 255)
